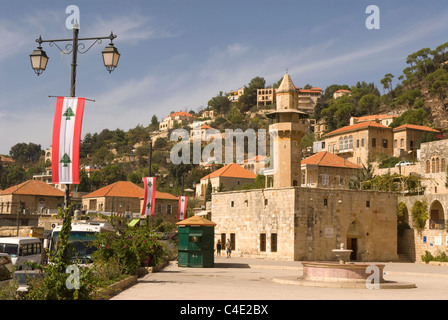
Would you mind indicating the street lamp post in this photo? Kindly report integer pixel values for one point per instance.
(148, 219)
(39, 60)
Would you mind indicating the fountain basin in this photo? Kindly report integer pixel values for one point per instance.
(343, 255)
(339, 272)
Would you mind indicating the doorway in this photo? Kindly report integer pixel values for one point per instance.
(352, 244)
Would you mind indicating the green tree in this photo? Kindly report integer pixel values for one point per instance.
(112, 173)
(368, 104)
(438, 85)
(25, 153)
(14, 175)
(235, 116)
(339, 112)
(420, 214)
(412, 116)
(154, 126)
(84, 182)
(208, 191)
(249, 97)
(387, 81)
(220, 103)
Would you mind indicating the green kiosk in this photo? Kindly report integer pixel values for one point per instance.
(196, 242)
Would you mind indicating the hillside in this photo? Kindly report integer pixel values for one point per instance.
(418, 96)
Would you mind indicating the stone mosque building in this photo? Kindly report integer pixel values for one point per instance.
(290, 222)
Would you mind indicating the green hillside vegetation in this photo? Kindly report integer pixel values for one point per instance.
(420, 97)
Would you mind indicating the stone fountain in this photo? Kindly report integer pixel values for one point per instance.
(343, 274)
(342, 254)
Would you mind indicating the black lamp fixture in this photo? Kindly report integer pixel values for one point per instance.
(39, 58)
(111, 55)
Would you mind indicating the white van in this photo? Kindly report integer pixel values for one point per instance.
(22, 249)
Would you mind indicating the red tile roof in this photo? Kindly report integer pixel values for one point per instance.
(6, 159)
(231, 170)
(34, 187)
(375, 117)
(357, 126)
(181, 113)
(415, 127)
(327, 159)
(126, 189)
(257, 158)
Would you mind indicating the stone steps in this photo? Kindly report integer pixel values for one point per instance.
(402, 257)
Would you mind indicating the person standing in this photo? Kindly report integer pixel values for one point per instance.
(229, 249)
(218, 248)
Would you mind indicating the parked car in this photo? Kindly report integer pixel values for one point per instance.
(403, 163)
(6, 268)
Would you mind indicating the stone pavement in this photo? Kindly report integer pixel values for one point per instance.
(240, 278)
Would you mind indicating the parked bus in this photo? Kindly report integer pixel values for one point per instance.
(21, 250)
(81, 238)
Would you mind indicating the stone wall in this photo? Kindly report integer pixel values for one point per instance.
(308, 222)
(414, 243)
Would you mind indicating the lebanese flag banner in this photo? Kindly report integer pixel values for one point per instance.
(66, 140)
(150, 196)
(182, 208)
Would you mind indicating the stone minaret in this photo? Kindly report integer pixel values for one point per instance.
(286, 133)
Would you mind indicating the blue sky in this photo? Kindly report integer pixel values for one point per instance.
(177, 54)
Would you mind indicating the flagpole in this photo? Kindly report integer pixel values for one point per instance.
(72, 93)
(148, 219)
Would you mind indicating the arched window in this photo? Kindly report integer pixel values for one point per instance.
(437, 165)
(350, 142)
(428, 166)
(345, 143)
(442, 165)
(341, 144)
(433, 165)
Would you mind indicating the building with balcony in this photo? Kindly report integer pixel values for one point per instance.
(307, 99)
(326, 170)
(181, 118)
(406, 138)
(234, 95)
(361, 142)
(340, 93)
(384, 119)
(265, 97)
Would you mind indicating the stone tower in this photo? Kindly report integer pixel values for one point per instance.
(286, 132)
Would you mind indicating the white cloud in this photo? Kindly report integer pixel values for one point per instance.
(132, 28)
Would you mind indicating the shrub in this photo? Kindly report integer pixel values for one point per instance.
(420, 214)
(132, 247)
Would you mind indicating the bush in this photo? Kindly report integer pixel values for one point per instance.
(55, 283)
(420, 214)
(131, 248)
(441, 257)
(427, 257)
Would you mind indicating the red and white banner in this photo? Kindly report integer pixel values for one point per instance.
(66, 140)
(150, 196)
(182, 208)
